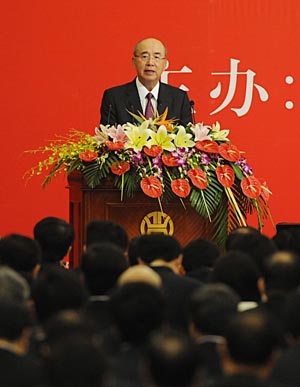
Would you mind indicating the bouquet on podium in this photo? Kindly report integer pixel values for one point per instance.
(197, 163)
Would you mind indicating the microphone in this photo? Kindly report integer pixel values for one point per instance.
(192, 105)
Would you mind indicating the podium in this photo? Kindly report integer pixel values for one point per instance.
(138, 214)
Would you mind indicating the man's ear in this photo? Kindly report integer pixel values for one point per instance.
(141, 262)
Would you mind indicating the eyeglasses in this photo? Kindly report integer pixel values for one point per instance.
(145, 57)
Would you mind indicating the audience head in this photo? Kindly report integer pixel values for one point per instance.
(252, 242)
(239, 271)
(292, 315)
(287, 237)
(13, 285)
(132, 253)
(55, 236)
(211, 307)
(162, 247)
(282, 272)
(57, 289)
(98, 231)
(137, 309)
(171, 359)
(140, 273)
(252, 338)
(199, 257)
(101, 265)
(21, 253)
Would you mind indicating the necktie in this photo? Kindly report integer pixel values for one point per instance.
(149, 108)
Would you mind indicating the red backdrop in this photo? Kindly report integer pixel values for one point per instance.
(238, 59)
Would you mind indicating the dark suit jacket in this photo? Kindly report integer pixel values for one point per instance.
(118, 101)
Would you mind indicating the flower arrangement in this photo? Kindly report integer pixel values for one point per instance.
(166, 161)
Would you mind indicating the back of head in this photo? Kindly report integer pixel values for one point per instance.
(251, 337)
(158, 246)
(287, 237)
(211, 307)
(282, 272)
(137, 309)
(57, 289)
(292, 315)
(98, 231)
(140, 273)
(172, 360)
(14, 318)
(19, 252)
(55, 236)
(13, 285)
(101, 265)
(251, 241)
(237, 270)
(199, 253)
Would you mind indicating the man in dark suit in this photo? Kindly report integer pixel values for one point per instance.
(149, 61)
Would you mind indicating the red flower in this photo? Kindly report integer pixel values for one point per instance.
(207, 146)
(265, 192)
(153, 151)
(88, 156)
(198, 178)
(251, 187)
(181, 188)
(120, 167)
(169, 160)
(151, 186)
(225, 175)
(230, 152)
(114, 145)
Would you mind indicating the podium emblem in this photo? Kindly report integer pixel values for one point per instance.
(157, 222)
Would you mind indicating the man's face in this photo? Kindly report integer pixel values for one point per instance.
(149, 61)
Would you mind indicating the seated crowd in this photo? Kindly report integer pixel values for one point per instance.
(148, 312)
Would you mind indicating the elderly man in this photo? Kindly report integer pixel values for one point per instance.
(146, 94)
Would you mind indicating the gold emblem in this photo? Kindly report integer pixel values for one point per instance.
(157, 222)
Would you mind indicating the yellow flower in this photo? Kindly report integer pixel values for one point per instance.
(137, 135)
(182, 138)
(162, 138)
(217, 134)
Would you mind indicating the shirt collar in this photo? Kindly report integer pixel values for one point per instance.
(143, 91)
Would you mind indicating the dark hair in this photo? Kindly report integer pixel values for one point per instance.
(282, 272)
(252, 336)
(19, 252)
(172, 359)
(102, 264)
(198, 253)
(55, 237)
(57, 289)
(98, 231)
(211, 308)
(239, 271)
(14, 317)
(137, 308)
(158, 246)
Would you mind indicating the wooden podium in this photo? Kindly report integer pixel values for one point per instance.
(138, 215)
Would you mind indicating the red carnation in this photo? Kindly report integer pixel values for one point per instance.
(207, 146)
(251, 187)
(88, 156)
(198, 178)
(181, 187)
(120, 167)
(153, 151)
(229, 152)
(151, 186)
(225, 175)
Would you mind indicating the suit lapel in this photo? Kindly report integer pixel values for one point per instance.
(133, 103)
(164, 99)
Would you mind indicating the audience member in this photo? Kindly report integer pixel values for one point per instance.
(210, 310)
(140, 273)
(164, 255)
(55, 236)
(287, 237)
(251, 350)
(98, 231)
(249, 240)
(171, 361)
(199, 257)
(22, 254)
(13, 285)
(17, 368)
(132, 252)
(237, 270)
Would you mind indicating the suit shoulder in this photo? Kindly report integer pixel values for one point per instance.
(172, 89)
(119, 88)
